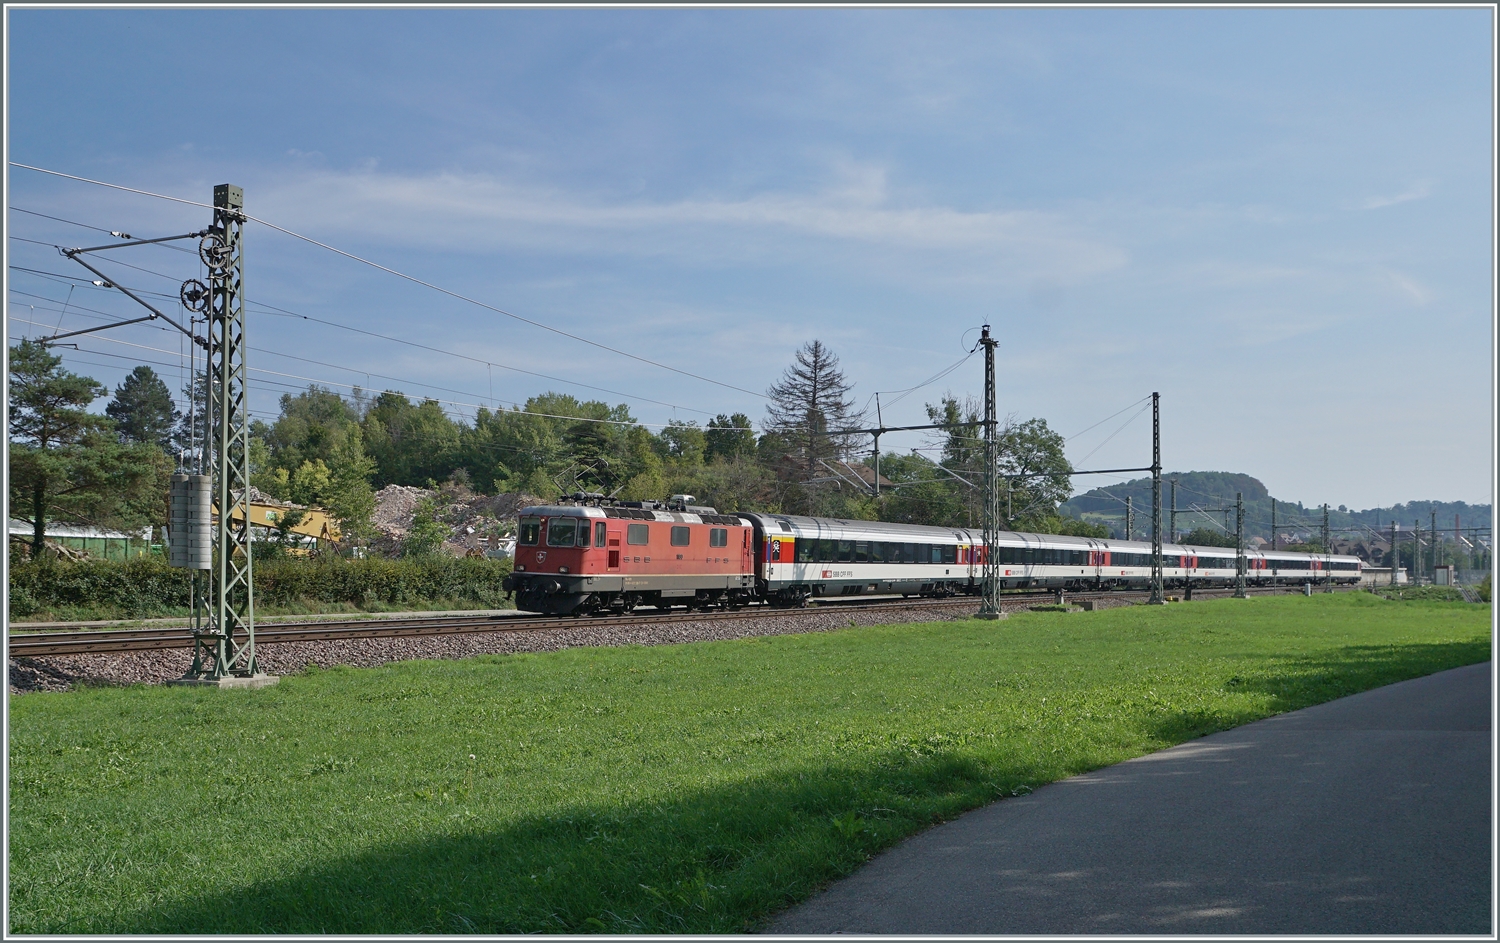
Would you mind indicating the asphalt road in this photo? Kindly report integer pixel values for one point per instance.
(1366, 815)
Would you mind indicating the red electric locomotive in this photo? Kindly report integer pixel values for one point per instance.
(581, 558)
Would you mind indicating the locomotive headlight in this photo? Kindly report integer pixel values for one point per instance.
(521, 568)
(562, 569)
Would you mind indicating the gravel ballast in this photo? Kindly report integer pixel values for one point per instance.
(63, 672)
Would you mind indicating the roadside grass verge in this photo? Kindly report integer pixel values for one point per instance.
(690, 788)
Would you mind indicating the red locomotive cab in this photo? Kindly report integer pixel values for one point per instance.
(563, 544)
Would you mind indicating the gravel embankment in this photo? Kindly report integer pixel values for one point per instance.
(62, 672)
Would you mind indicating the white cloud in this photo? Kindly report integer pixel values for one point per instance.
(481, 212)
(1410, 287)
(1422, 189)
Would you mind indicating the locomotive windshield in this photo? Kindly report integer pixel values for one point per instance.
(560, 531)
(531, 531)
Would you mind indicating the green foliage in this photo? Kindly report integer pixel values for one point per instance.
(1071, 526)
(665, 789)
(145, 586)
(427, 533)
(1427, 593)
(1207, 537)
(65, 462)
(729, 438)
(1483, 589)
(142, 410)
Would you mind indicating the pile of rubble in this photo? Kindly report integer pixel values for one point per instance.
(476, 522)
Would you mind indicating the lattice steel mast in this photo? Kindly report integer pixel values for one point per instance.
(990, 606)
(1156, 575)
(226, 647)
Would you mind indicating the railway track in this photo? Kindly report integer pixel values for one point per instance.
(108, 641)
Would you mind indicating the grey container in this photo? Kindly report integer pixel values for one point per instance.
(190, 523)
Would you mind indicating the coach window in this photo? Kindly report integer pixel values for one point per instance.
(598, 533)
(846, 551)
(638, 534)
(681, 536)
(861, 551)
(827, 550)
(805, 550)
(950, 553)
(560, 532)
(531, 531)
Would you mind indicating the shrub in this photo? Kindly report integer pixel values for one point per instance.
(1483, 588)
(145, 586)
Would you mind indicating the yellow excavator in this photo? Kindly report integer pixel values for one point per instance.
(315, 522)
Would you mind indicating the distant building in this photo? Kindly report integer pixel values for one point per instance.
(97, 542)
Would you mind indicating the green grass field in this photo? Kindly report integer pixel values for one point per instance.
(692, 788)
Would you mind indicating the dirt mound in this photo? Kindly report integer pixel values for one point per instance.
(475, 521)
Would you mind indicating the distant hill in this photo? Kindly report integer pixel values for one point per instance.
(1217, 489)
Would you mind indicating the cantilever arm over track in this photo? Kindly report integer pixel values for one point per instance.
(74, 255)
(140, 242)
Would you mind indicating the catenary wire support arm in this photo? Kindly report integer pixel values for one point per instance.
(73, 254)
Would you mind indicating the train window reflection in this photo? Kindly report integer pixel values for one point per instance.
(531, 531)
(560, 531)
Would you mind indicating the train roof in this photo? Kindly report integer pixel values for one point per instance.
(837, 528)
(631, 514)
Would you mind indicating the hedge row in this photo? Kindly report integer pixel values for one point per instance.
(145, 586)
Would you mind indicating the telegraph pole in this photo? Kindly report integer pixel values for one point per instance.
(1434, 546)
(1174, 511)
(1156, 576)
(1416, 551)
(1395, 555)
(1272, 560)
(1327, 554)
(1129, 517)
(1239, 545)
(989, 608)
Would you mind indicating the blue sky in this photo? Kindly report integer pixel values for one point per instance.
(1280, 219)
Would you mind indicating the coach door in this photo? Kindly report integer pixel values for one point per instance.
(614, 550)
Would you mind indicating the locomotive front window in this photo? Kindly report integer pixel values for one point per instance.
(583, 533)
(637, 534)
(560, 531)
(531, 531)
(681, 536)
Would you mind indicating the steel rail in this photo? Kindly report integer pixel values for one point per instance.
(116, 641)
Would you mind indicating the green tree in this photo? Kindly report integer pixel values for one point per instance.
(1040, 475)
(65, 462)
(1206, 537)
(728, 437)
(409, 442)
(142, 410)
(427, 533)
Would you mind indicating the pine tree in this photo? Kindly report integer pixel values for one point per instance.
(809, 403)
(65, 463)
(142, 410)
